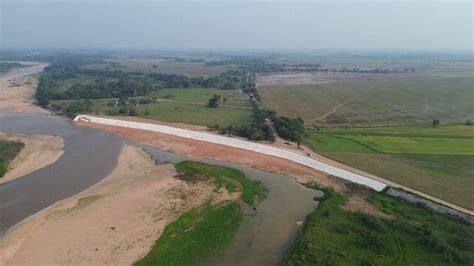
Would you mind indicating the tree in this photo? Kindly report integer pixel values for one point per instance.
(435, 122)
(229, 130)
(214, 101)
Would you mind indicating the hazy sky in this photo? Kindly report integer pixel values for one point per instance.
(237, 25)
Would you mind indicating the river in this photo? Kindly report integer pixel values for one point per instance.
(91, 154)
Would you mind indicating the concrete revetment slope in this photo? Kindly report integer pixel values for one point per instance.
(241, 144)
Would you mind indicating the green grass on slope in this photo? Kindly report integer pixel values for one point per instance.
(252, 191)
(8, 151)
(415, 236)
(204, 231)
(196, 235)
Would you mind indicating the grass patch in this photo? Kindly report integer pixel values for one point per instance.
(252, 191)
(415, 236)
(8, 151)
(176, 110)
(195, 114)
(196, 235)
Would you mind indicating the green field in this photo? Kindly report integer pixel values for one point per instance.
(437, 161)
(8, 151)
(184, 106)
(204, 231)
(402, 101)
(413, 235)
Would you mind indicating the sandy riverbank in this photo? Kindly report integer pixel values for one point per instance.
(200, 149)
(39, 151)
(114, 222)
(17, 93)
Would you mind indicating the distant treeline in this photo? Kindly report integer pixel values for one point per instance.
(260, 65)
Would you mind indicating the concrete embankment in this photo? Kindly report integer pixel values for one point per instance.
(241, 144)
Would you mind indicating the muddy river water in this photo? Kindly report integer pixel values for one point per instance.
(91, 154)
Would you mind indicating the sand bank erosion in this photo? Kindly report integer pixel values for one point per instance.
(114, 222)
(17, 93)
(39, 151)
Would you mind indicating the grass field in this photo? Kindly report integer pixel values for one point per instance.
(413, 236)
(185, 106)
(437, 161)
(375, 102)
(8, 151)
(206, 230)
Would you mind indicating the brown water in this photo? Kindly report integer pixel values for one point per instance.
(89, 156)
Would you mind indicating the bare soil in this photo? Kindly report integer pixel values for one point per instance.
(17, 94)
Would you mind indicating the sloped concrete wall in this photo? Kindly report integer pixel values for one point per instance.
(242, 144)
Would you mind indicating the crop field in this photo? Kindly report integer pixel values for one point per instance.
(437, 161)
(410, 235)
(402, 101)
(159, 65)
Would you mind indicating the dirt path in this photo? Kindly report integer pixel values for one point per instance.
(115, 222)
(339, 105)
(39, 151)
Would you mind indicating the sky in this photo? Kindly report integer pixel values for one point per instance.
(238, 25)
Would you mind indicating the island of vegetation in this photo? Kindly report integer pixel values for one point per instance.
(204, 231)
(8, 151)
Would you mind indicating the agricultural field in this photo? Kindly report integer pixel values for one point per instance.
(437, 161)
(401, 101)
(398, 232)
